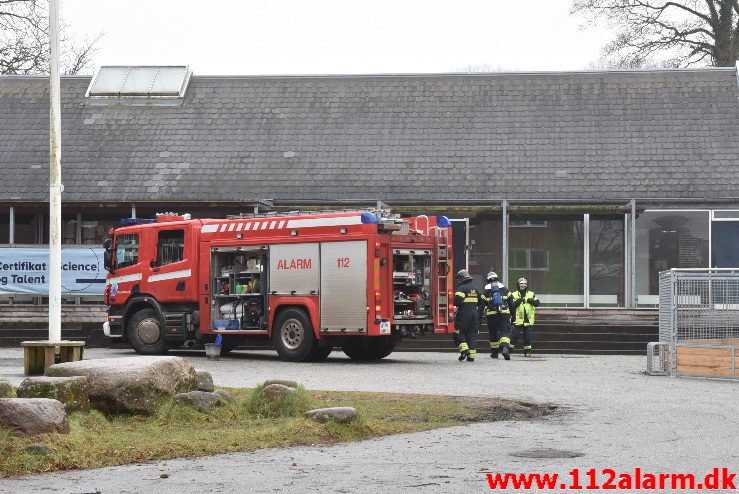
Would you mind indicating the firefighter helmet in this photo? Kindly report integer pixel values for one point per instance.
(463, 275)
(492, 276)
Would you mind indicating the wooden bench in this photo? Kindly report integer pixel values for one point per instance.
(40, 354)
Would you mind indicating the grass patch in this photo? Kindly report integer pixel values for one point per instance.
(96, 440)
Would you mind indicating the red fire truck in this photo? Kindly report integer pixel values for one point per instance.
(310, 282)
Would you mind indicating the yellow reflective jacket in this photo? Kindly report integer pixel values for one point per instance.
(525, 304)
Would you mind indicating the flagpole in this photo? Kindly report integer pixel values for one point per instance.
(55, 182)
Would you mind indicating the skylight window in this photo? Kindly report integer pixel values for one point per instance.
(140, 81)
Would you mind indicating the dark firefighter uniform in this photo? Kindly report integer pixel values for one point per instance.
(468, 301)
(498, 317)
(524, 302)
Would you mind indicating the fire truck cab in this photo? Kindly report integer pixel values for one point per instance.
(309, 282)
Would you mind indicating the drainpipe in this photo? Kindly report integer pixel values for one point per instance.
(504, 206)
(586, 260)
(632, 256)
(11, 233)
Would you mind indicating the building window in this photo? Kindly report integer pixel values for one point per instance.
(549, 254)
(4, 225)
(530, 259)
(607, 267)
(170, 247)
(486, 248)
(69, 229)
(96, 227)
(530, 223)
(664, 240)
(26, 228)
(725, 244)
(126, 250)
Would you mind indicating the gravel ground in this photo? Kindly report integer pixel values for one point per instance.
(613, 416)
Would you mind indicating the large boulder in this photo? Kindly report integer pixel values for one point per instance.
(72, 391)
(284, 382)
(31, 416)
(130, 384)
(6, 390)
(338, 414)
(275, 392)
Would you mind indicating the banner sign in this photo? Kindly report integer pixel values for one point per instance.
(26, 271)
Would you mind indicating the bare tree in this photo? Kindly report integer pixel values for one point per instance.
(680, 33)
(24, 41)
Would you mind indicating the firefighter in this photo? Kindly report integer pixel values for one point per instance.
(497, 300)
(524, 303)
(467, 304)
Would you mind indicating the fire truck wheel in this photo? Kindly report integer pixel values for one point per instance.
(144, 332)
(293, 335)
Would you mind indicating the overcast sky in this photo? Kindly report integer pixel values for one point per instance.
(336, 36)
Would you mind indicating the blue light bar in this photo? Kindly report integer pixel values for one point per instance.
(135, 221)
(443, 222)
(369, 219)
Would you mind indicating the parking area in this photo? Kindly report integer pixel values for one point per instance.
(613, 416)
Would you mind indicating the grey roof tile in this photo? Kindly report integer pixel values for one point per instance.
(429, 137)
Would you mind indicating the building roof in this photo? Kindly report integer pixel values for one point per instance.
(395, 138)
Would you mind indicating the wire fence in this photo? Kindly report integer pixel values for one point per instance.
(698, 304)
(698, 323)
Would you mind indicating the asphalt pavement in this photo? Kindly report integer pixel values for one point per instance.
(613, 416)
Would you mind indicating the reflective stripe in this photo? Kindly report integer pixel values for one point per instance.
(494, 344)
(336, 221)
(209, 228)
(463, 347)
(459, 294)
(505, 339)
(124, 279)
(527, 347)
(185, 273)
(471, 299)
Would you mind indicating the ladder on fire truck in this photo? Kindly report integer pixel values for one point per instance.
(442, 276)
